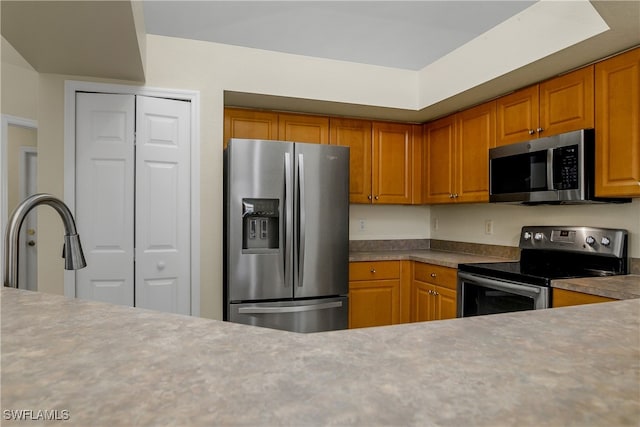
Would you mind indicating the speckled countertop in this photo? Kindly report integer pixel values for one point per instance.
(618, 287)
(429, 256)
(110, 365)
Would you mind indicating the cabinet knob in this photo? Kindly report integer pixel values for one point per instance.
(455, 195)
(531, 131)
(451, 195)
(373, 271)
(376, 197)
(435, 293)
(433, 275)
(540, 130)
(369, 197)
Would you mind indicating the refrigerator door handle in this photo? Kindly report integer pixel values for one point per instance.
(290, 309)
(301, 218)
(288, 220)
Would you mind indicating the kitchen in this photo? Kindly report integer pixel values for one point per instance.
(212, 69)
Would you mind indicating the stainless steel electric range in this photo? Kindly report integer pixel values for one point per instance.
(546, 253)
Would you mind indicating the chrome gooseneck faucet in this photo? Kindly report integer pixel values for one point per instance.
(72, 249)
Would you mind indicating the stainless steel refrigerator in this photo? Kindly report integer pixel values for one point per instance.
(286, 235)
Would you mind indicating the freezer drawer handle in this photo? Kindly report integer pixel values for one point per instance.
(291, 309)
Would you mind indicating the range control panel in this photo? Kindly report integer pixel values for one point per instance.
(600, 241)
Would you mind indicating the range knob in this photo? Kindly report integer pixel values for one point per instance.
(590, 240)
(526, 235)
(538, 236)
(605, 241)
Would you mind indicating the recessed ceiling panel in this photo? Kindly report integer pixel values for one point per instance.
(400, 34)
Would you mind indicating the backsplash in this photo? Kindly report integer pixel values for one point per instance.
(388, 245)
(476, 248)
(441, 245)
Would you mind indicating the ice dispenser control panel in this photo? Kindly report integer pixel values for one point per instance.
(260, 224)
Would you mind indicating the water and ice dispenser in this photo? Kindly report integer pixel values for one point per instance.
(260, 224)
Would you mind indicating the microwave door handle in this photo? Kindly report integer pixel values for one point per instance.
(550, 169)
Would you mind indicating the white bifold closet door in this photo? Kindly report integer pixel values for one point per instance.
(133, 200)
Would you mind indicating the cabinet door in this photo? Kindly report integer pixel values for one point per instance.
(446, 305)
(303, 128)
(250, 124)
(476, 134)
(567, 103)
(517, 116)
(618, 126)
(422, 302)
(374, 303)
(392, 166)
(439, 152)
(355, 134)
(564, 298)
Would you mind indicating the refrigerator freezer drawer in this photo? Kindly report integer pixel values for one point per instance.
(297, 316)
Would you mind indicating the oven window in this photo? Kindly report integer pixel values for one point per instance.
(521, 173)
(479, 300)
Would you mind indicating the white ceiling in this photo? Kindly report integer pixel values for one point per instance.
(399, 34)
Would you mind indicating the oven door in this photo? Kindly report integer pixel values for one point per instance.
(479, 295)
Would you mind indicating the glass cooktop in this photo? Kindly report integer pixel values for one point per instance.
(540, 274)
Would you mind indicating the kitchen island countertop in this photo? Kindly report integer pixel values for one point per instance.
(111, 365)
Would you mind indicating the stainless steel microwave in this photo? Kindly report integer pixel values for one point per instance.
(557, 169)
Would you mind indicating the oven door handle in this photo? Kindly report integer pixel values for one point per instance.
(498, 283)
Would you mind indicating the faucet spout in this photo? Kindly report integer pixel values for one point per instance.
(72, 250)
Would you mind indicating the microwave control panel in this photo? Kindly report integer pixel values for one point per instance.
(565, 168)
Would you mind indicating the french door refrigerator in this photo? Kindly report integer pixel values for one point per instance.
(286, 235)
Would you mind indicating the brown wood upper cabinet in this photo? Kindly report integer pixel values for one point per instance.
(249, 124)
(618, 126)
(303, 128)
(385, 160)
(255, 124)
(456, 156)
(355, 134)
(393, 167)
(555, 106)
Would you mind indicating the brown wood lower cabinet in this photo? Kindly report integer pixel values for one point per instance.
(564, 298)
(433, 293)
(390, 292)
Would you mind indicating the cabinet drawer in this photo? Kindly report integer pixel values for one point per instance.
(441, 276)
(374, 270)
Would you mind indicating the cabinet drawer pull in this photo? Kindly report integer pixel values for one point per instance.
(433, 275)
(373, 270)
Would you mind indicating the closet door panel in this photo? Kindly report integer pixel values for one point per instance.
(104, 196)
(163, 205)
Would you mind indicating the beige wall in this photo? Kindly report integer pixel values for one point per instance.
(466, 223)
(19, 84)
